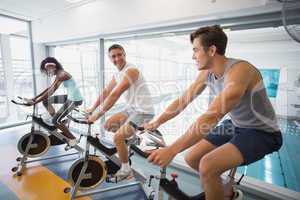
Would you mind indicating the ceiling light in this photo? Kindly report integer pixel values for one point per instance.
(73, 1)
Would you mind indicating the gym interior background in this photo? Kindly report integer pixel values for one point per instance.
(155, 35)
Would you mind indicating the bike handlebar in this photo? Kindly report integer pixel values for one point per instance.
(79, 121)
(22, 104)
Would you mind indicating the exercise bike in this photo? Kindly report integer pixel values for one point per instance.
(148, 141)
(36, 143)
(90, 171)
(171, 186)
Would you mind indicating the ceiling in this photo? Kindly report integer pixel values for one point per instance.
(49, 13)
(35, 9)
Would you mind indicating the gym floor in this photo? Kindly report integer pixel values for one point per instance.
(47, 180)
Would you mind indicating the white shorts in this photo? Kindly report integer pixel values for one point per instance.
(138, 118)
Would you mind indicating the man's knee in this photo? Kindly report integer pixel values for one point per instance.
(193, 157)
(207, 168)
(111, 126)
(123, 133)
(190, 160)
(119, 138)
(107, 126)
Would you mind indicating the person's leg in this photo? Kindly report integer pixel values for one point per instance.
(217, 137)
(112, 125)
(56, 99)
(193, 157)
(115, 122)
(213, 164)
(61, 113)
(120, 136)
(124, 132)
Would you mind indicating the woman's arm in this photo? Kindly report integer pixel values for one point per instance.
(60, 77)
(42, 93)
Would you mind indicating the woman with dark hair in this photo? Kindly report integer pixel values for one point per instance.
(72, 99)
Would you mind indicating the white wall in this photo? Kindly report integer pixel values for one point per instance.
(107, 16)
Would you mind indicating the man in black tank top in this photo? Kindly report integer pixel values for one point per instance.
(239, 90)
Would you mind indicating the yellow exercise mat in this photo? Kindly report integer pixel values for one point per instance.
(38, 183)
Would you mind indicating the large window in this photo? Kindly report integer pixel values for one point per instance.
(3, 100)
(22, 69)
(81, 61)
(167, 64)
(16, 77)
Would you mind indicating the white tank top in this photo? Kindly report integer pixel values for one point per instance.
(137, 96)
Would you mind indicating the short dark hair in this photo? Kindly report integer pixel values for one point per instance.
(211, 35)
(116, 46)
(50, 60)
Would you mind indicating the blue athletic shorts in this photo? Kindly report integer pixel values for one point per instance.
(253, 144)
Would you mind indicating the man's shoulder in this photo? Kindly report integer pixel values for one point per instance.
(242, 66)
(241, 73)
(131, 68)
(130, 65)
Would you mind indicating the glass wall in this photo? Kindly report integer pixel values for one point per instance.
(3, 99)
(22, 68)
(276, 55)
(15, 69)
(82, 62)
(166, 63)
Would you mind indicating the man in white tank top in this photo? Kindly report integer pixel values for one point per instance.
(252, 131)
(139, 109)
